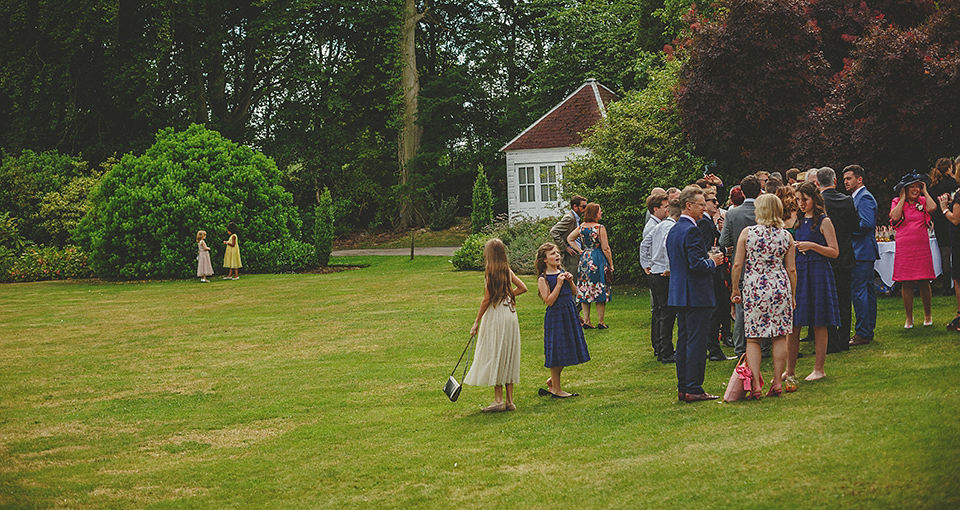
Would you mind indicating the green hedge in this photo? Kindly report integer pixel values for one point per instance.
(521, 237)
(147, 210)
(45, 263)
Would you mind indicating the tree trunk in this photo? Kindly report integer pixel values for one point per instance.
(409, 140)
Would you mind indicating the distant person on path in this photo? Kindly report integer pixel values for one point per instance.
(496, 361)
(691, 292)
(863, 292)
(767, 261)
(231, 257)
(912, 261)
(596, 261)
(559, 233)
(204, 267)
(563, 342)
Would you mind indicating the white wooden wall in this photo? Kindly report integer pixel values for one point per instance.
(536, 158)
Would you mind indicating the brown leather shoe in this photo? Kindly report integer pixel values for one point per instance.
(859, 340)
(690, 397)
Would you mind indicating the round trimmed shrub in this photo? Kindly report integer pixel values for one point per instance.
(146, 211)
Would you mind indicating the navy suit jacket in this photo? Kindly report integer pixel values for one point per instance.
(863, 238)
(691, 272)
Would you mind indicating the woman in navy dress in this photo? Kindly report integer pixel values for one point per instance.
(816, 288)
(563, 342)
(595, 261)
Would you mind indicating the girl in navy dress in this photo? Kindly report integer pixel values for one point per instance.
(563, 343)
(816, 304)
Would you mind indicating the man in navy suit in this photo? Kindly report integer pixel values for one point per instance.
(691, 294)
(865, 252)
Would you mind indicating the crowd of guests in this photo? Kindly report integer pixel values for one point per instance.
(748, 269)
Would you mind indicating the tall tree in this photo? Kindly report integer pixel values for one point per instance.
(409, 140)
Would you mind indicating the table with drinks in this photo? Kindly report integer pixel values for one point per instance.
(887, 245)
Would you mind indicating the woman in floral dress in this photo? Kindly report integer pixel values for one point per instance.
(595, 262)
(766, 256)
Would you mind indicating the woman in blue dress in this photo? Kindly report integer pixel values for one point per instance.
(816, 288)
(563, 342)
(596, 261)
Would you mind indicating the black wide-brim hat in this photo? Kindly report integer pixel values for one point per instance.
(909, 179)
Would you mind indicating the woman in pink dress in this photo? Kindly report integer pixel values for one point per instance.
(913, 262)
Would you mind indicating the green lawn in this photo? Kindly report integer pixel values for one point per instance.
(323, 391)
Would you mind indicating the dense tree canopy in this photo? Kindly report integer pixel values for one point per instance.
(775, 84)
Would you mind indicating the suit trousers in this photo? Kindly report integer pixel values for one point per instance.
(838, 338)
(571, 264)
(662, 316)
(692, 325)
(863, 293)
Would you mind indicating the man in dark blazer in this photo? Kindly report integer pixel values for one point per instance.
(843, 214)
(691, 294)
(559, 232)
(865, 254)
(737, 219)
(708, 229)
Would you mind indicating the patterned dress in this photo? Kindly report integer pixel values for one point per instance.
(592, 287)
(767, 298)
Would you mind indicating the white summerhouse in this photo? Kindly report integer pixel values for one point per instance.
(537, 156)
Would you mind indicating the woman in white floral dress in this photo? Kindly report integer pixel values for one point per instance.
(767, 259)
(596, 261)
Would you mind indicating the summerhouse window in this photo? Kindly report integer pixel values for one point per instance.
(528, 184)
(548, 183)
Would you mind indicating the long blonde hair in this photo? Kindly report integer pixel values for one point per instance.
(201, 234)
(497, 272)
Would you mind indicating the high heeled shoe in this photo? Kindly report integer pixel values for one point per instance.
(775, 391)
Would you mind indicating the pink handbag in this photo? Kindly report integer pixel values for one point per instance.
(740, 379)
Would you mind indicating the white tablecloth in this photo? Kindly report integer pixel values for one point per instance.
(884, 266)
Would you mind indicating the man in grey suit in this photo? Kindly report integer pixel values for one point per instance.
(739, 218)
(560, 231)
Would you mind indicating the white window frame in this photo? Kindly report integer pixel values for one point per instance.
(526, 179)
(548, 183)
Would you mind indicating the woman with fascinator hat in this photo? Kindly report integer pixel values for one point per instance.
(913, 262)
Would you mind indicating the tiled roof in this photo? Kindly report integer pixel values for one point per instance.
(561, 126)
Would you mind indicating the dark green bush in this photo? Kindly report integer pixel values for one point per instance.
(24, 182)
(481, 213)
(146, 210)
(521, 237)
(323, 229)
(46, 263)
(445, 214)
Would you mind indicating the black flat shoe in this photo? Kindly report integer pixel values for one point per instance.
(542, 392)
(601, 325)
(565, 396)
(587, 325)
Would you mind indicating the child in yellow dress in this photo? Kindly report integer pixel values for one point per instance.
(231, 258)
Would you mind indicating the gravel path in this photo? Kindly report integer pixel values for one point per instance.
(442, 251)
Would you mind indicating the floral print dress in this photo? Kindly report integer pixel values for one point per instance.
(592, 287)
(766, 294)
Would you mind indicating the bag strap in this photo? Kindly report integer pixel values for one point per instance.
(467, 347)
